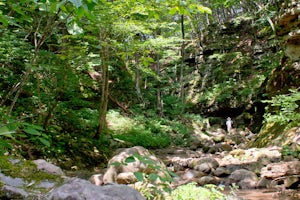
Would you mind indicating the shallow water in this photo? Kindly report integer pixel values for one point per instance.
(265, 194)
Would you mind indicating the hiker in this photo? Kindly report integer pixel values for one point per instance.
(229, 123)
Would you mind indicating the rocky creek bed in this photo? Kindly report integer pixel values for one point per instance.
(213, 157)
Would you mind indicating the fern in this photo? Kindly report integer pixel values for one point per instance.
(284, 109)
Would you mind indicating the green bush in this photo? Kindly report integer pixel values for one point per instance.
(193, 192)
(142, 137)
(151, 185)
(290, 151)
(284, 109)
(148, 132)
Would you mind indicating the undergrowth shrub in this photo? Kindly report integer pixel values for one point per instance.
(193, 192)
(143, 137)
(284, 109)
(152, 185)
(148, 132)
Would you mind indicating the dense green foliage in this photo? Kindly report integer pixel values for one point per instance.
(192, 192)
(284, 109)
(76, 75)
(81, 78)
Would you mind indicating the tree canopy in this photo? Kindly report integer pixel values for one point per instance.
(65, 64)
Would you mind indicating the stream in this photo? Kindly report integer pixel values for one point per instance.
(267, 194)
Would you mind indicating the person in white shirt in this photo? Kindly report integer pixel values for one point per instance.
(229, 124)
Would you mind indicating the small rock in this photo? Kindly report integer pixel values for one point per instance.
(15, 182)
(291, 182)
(207, 180)
(208, 164)
(97, 179)
(126, 178)
(221, 171)
(48, 167)
(265, 183)
(13, 192)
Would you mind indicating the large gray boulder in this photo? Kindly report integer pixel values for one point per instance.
(78, 189)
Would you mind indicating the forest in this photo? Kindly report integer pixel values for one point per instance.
(82, 78)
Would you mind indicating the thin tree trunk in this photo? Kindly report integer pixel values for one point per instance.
(104, 87)
(158, 91)
(182, 96)
(37, 45)
(50, 113)
(137, 80)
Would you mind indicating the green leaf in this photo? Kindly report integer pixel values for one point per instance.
(74, 29)
(31, 131)
(148, 161)
(173, 11)
(172, 174)
(153, 177)
(33, 126)
(203, 9)
(130, 159)
(80, 12)
(139, 176)
(5, 144)
(4, 131)
(76, 3)
(45, 142)
(45, 136)
(116, 164)
(3, 20)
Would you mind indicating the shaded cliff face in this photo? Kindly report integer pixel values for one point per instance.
(236, 61)
(245, 61)
(287, 74)
(282, 79)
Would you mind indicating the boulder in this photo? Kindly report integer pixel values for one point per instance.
(245, 179)
(78, 189)
(207, 180)
(275, 170)
(206, 164)
(141, 161)
(221, 172)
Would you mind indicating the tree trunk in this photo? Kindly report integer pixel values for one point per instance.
(104, 87)
(50, 113)
(182, 96)
(137, 80)
(38, 42)
(158, 91)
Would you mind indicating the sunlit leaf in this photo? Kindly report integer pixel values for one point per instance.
(5, 131)
(139, 176)
(173, 11)
(203, 9)
(45, 142)
(76, 3)
(153, 177)
(130, 159)
(74, 29)
(31, 131)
